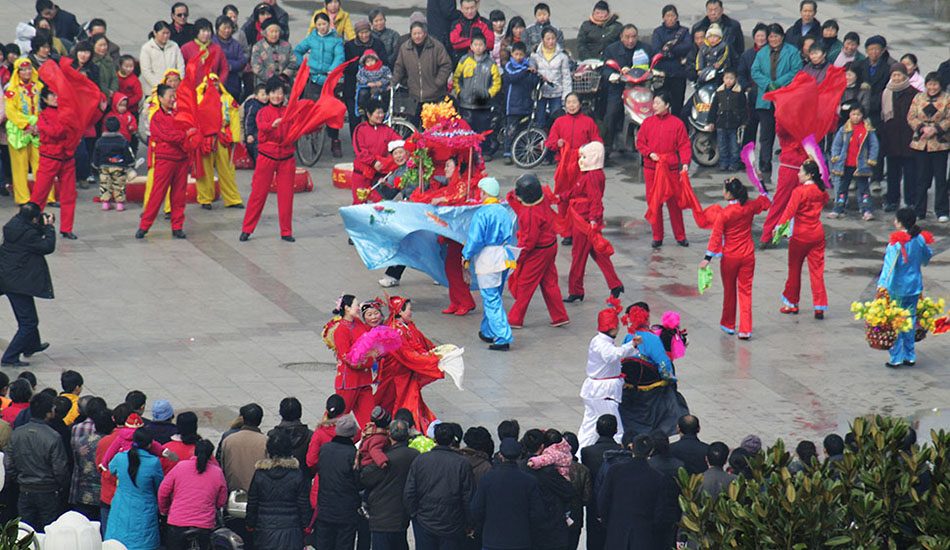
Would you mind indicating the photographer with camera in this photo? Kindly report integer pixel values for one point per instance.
(27, 238)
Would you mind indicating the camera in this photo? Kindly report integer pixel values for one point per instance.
(48, 219)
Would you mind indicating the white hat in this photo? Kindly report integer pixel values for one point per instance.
(393, 145)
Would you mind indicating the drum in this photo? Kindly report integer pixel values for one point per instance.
(343, 175)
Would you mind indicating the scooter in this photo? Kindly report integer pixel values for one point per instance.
(701, 133)
(586, 80)
(640, 87)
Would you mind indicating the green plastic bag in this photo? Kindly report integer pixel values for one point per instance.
(705, 278)
(784, 230)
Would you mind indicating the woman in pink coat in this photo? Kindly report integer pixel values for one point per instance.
(190, 496)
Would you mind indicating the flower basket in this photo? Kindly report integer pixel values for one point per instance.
(882, 338)
(928, 311)
(883, 320)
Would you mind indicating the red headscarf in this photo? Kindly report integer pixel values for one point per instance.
(609, 319)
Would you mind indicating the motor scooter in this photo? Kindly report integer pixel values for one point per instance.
(640, 86)
(702, 135)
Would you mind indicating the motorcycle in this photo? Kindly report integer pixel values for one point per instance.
(701, 133)
(640, 86)
(586, 84)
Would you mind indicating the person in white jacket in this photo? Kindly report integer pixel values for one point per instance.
(157, 56)
(603, 388)
(554, 68)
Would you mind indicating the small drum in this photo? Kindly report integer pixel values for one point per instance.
(303, 183)
(343, 175)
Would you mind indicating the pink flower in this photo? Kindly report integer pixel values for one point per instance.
(378, 208)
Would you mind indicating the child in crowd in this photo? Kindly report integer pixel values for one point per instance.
(513, 35)
(853, 156)
(476, 81)
(518, 82)
(113, 158)
(71, 382)
(129, 83)
(729, 112)
(714, 52)
(123, 442)
(121, 110)
(467, 26)
(497, 20)
(249, 109)
(373, 77)
(375, 439)
(558, 454)
(542, 20)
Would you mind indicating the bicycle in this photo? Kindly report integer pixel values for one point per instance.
(527, 147)
(402, 109)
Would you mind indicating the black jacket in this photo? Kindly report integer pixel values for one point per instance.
(731, 33)
(729, 110)
(66, 25)
(480, 462)
(744, 72)
(112, 150)
(624, 56)
(163, 431)
(556, 495)
(183, 36)
(674, 57)
(278, 504)
(440, 16)
(692, 452)
(944, 71)
(795, 37)
(338, 497)
(593, 457)
(438, 492)
(507, 507)
(23, 268)
(385, 486)
(896, 134)
(877, 81)
(632, 505)
(300, 436)
(593, 39)
(36, 458)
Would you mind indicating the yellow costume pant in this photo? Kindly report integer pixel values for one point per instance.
(21, 160)
(148, 191)
(219, 159)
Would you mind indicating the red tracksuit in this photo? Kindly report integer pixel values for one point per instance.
(732, 238)
(273, 158)
(460, 294)
(538, 241)
(370, 143)
(170, 169)
(790, 160)
(807, 241)
(57, 167)
(664, 135)
(354, 383)
(587, 199)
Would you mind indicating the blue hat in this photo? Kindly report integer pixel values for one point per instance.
(510, 448)
(876, 39)
(490, 186)
(162, 410)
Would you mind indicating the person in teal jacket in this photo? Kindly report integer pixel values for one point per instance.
(325, 48)
(906, 253)
(786, 66)
(133, 518)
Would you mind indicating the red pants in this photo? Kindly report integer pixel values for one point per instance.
(362, 182)
(62, 174)
(170, 176)
(537, 267)
(260, 187)
(798, 251)
(787, 182)
(676, 213)
(460, 295)
(580, 250)
(737, 275)
(359, 401)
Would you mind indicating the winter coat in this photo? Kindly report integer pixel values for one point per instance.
(927, 110)
(426, 75)
(218, 64)
(66, 25)
(877, 80)
(440, 16)
(325, 54)
(592, 38)
(744, 73)
(108, 78)
(673, 63)
(191, 499)
(385, 486)
(476, 81)
(460, 36)
(355, 49)
(716, 480)
(535, 32)
(383, 74)
(867, 153)
(161, 430)
(556, 496)
(155, 60)
(342, 24)
(692, 452)
(901, 274)
(250, 107)
(338, 498)
(183, 35)
(583, 485)
(664, 134)
(389, 39)
(789, 63)
(240, 452)
(718, 56)
(728, 110)
(518, 83)
(113, 150)
(323, 434)
(795, 37)
(896, 133)
(277, 506)
(480, 462)
(632, 505)
(282, 21)
(133, 518)
(439, 492)
(236, 58)
(23, 268)
(507, 507)
(35, 457)
(731, 33)
(556, 73)
(269, 60)
(300, 436)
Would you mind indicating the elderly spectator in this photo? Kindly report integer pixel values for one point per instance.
(181, 30)
(602, 29)
(806, 26)
(849, 53)
(158, 56)
(241, 450)
(389, 37)
(929, 119)
(423, 66)
(715, 479)
(876, 71)
(65, 23)
(272, 56)
(388, 519)
(896, 135)
(731, 29)
(773, 68)
(98, 26)
(689, 448)
(673, 41)
(276, 12)
(338, 499)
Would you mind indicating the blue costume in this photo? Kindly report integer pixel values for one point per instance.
(488, 236)
(652, 351)
(901, 277)
(650, 398)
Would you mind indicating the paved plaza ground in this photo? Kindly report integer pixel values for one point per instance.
(211, 323)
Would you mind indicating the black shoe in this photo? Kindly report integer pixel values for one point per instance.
(168, 215)
(656, 244)
(40, 349)
(336, 148)
(68, 235)
(616, 291)
(206, 206)
(499, 347)
(53, 204)
(684, 243)
(288, 238)
(890, 365)
(244, 237)
(574, 298)
(819, 314)
(16, 363)
(178, 234)
(349, 241)
(140, 234)
(906, 363)
(508, 161)
(239, 206)
(567, 241)
(484, 338)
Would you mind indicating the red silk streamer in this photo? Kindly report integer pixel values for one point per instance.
(677, 187)
(592, 232)
(306, 115)
(567, 172)
(69, 85)
(805, 107)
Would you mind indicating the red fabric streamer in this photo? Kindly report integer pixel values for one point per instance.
(70, 85)
(567, 172)
(677, 187)
(805, 107)
(306, 115)
(592, 232)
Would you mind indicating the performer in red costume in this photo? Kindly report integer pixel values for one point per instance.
(354, 383)
(663, 138)
(790, 162)
(370, 143)
(807, 240)
(537, 239)
(732, 239)
(567, 134)
(57, 166)
(170, 164)
(273, 159)
(404, 372)
(587, 201)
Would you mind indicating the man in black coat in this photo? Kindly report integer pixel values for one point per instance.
(760, 34)
(689, 448)
(556, 493)
(440, 16)
(806, 26)
(592, 456)
(715, 478)
(632, 502)
(290, 412)
(24, 275)
(388, 520)
(628, 52)
(731, 29)
(438, 494)
(507, 506)
(876, 71)
(182, 31)
(338, 497)
(664, 462)
(64, 23)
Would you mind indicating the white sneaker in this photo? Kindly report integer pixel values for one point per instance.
(943, 219)
(388, 282)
